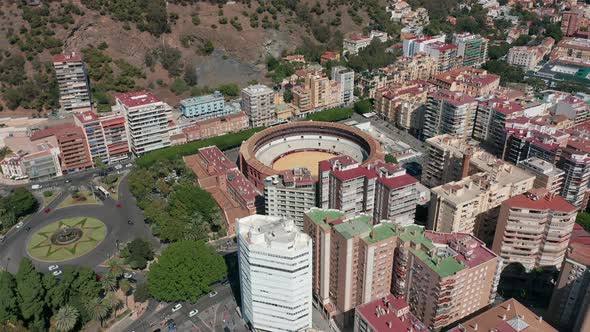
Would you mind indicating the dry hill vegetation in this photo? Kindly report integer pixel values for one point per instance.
(133, 44)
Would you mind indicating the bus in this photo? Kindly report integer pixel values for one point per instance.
(103, 191)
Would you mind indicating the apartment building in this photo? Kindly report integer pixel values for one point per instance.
(572, 50)
(290, 194)
(258, 103)
(511, 315)
(75, 155)
(444, 277)
(574, 160)
(42, 164)
(474, 82)
(356, 42)
(446, 55)
(204, 107)
(231, 123)
(275, 261)
(12, 166)
(115, 137)
(401, 104)
(547, 175)
(345, 78)
(420, 66)
(471, 205)
(385, 315)
(449, 112)
(412, 46)
(526, 57)
(570, 21)
(318, 92)
(490, 121)
(234, 194)
(352, 261)
(534, 229)
(73, 82)
(146, 119)
(381, 189)
(90, 124)
(569, 309)
(472, 49)
(573, 108)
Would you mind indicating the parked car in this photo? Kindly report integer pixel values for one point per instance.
(28, 228)
(193, 313)
(177, 307)
(36, 186)
(2, 238)
(129, 165)
(213, 294)
(128, 275)
(53, 267)
(19, 224)
(56, 273)
(67, 181)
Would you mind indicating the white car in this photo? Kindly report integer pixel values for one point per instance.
(129, 165)
(19, 225)
(213, 294)
(177, 307)
(118, 166)
(53, 267)
(193, 313)
(56, 273)
(128, 275)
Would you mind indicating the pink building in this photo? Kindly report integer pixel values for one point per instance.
(387, 314)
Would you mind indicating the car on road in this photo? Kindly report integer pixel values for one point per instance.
(19, 225)
(130, 222)
(56, 273)
(213, 294)
(53, 267)
(36, 186)
(177, 307)
(129, 165)
(192, 313)
(28, 228)
(67, 181)
(47, 210)
(128, 275)
(118, 167)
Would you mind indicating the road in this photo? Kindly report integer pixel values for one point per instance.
(114, 214)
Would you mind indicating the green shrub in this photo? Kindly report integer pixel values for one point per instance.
(48, 193)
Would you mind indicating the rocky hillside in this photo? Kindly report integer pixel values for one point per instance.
(174, 48)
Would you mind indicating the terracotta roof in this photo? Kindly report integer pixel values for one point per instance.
(532, 202)
(87, 116)
(137, 98)
(580, 245)
(390, 314)
(399, 181)
(68, 57)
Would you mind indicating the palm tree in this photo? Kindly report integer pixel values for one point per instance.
(97, 310)
(125, 287)
(112, 302)
(66, 318)
(115, 266)
(109, 282)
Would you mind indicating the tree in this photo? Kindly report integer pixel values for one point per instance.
(137, 253)
(99, 163)
(141, 293)
(22, 202)
(583, 219)
(66, 318)
(8, 301)
(288, 95)
(389, 158)
(363, 106)
(125, 287)
(115, 267)
(31, 293)
(231, 89)
(113, 302)
(97, 310)
(184, 271)
(109, 282)
(190, 74)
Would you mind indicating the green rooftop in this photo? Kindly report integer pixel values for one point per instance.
(382, 232)
(355, 226)
(319, 216)
(446, 267)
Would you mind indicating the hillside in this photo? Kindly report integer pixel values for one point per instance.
(136, 44)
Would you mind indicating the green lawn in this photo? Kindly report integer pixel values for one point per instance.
(48, 199)
(41, 248)
(70, 201)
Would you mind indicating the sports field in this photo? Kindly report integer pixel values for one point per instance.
(307, 159)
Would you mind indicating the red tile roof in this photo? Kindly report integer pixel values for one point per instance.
(399, 181)
(390, 314)
(531, 202)
(68, 57)
(580, 245)
(137, 98)
(87, 116)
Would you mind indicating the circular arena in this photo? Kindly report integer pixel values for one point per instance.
(303, 144)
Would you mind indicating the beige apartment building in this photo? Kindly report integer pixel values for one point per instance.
(401, 103)
(444, 277)
(474, 82)
(547, 175)
(534, 229)
(316, 92)
(471, 205)
(352, 261)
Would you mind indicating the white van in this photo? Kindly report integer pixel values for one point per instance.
(36, 186)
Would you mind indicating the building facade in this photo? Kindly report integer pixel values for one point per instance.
(43, 164)
(345, 77)
(90, 125)
(146, 119)
(275, 261)
(449, 112)
(472, 49)
(204, 107)
(386, 315)
(290, 194)
(74, 152)
(258, 103)
(546, 174)
(73, 82)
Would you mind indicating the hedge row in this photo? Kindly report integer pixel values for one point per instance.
(331, 115)
(223, 142)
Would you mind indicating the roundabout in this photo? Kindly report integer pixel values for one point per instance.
(66, 239)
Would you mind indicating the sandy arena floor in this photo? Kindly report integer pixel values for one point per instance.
(308, 159)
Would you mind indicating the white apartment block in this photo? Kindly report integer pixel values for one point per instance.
(275, 260)
(525, 57)
(344, 76)
(258, 102)
(146, 121)
(72, 79)
(290, 194)
(357, 42)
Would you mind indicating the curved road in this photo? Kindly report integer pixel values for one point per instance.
(113, 213)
